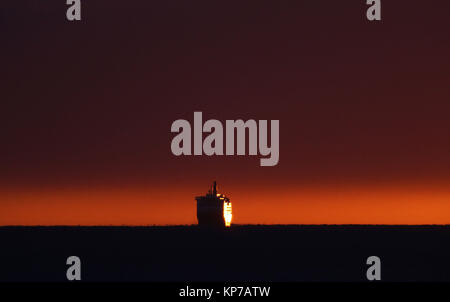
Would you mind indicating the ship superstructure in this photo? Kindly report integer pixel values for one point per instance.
(214, 209)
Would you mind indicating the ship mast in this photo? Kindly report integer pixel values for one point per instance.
(215, 189)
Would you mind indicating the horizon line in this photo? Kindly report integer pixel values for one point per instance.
(194, 225)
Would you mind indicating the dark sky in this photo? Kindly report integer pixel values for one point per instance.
(89, 104)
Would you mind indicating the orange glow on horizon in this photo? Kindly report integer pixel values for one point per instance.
(287, 205)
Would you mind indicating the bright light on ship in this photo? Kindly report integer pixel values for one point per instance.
(227, 213)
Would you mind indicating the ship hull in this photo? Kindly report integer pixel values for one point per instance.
(210, 212)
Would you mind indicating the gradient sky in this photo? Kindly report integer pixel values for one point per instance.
(87, 108)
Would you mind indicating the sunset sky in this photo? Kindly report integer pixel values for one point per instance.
(87, 108)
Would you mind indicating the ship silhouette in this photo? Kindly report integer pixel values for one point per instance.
(214, 209)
